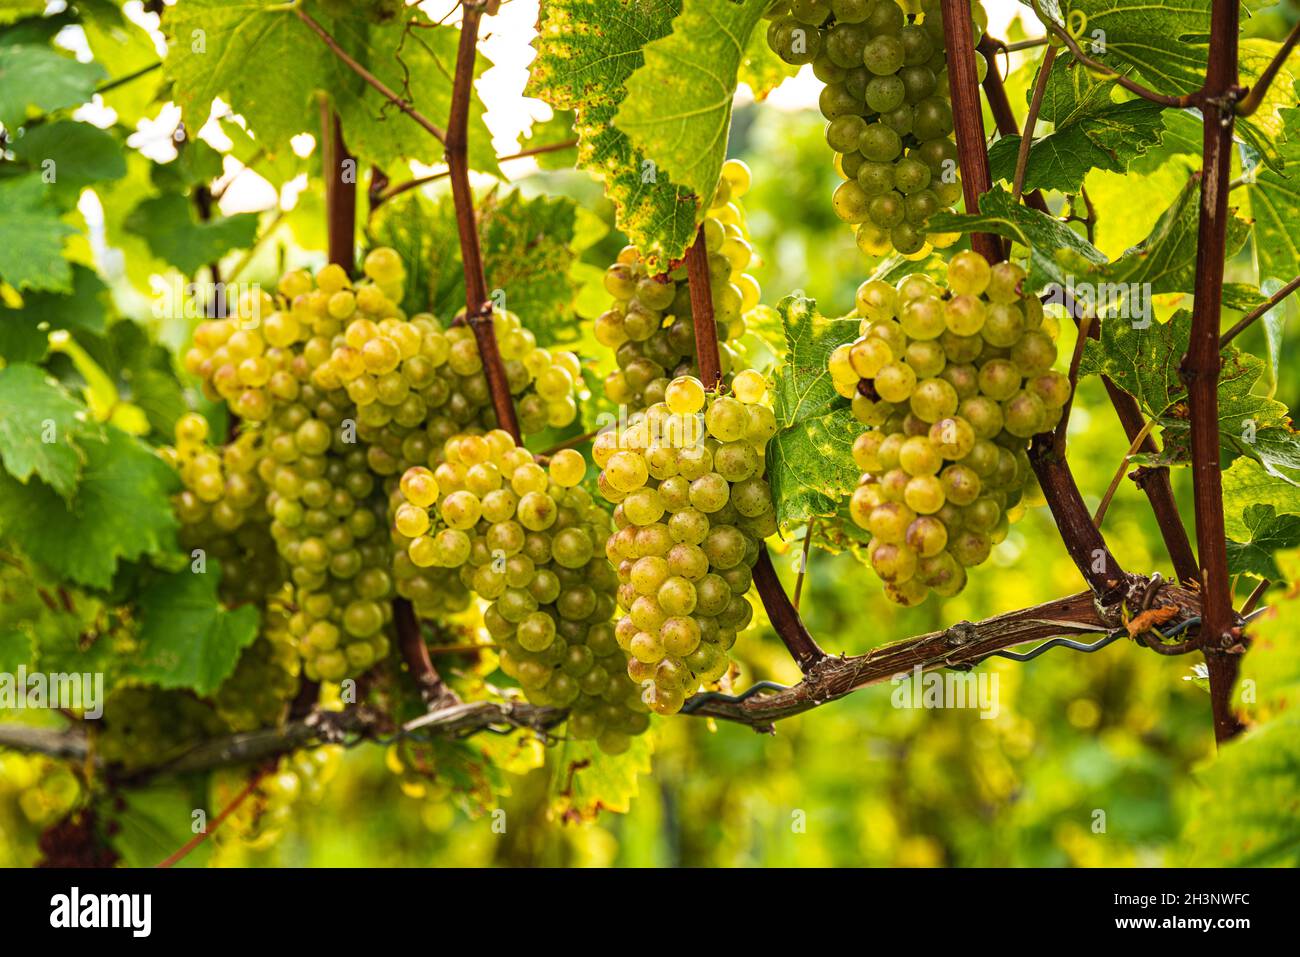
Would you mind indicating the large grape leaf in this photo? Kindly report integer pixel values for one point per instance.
(256, 55)
(71, 155)
(39, 79)
(527, 254)
(186, 638)
(121, 511)
(809, 460)
(1145, 362)
(678, 105)
(1268, 534)
(415, 58)
(37, 261)
(170, 225)
(587, 781)
(1166, 46)
(1165, 261)
(1247, 483)
(586, 52)
(1275, 203)
(1048, 239)
(1090, 131)
(124, 48)
(214, 41)
(1248, 814)
(41, 426)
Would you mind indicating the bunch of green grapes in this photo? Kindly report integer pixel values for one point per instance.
(528, 540)
(266, 677)
(649, 325)
(952, 383)
(327, 522)
(415, 384)
(145, 727)
(260, 819)
(692, 511)
(889, 119)
(221, 508)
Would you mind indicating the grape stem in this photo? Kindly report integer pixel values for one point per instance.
(706, 329)
(398, 189)
(415, 653)
(478, 308)
(827, 679)
(1000, 106)
(340, 190)
(1254, 98)
(1245, 321)
(184, 850)
(783, 615)
(1181, 102)
(968, 119)
(1220, 638)
(1031, 120)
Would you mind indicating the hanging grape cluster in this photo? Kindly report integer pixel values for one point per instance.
(692, 511)
(335, 386)
(952, 384)
(649, 325)
(889, 119)
(529, 541)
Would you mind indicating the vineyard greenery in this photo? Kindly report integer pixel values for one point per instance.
(795, 352)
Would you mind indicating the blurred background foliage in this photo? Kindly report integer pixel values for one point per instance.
(1088, 762)
(1080, 743)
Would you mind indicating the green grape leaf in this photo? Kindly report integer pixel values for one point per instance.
(1165, 261)
(1165, 47)
(415, 58)
(1257, 825)
(153, 822)
(142, 371)
(16, 650)
(558, 129)
(1048, 239)
(40, 79)
(1269, 533)
(121, 511)
(587, 781)
(186, 638)
(761, 69)
(256, 55)
(1275, 203)
(424, 234)
(40, 428)
(586, 52)
(1144, 360)
(37, 262)
(71, 155)
(84, 308)
(124, 48)
(1264, 130)
(1248, 483)
(678, 105)
(170, 225)
(810, 459)
(1273, 664)
(527, 255)
(1110, 139)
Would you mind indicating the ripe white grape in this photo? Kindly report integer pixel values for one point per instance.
(949, 418)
